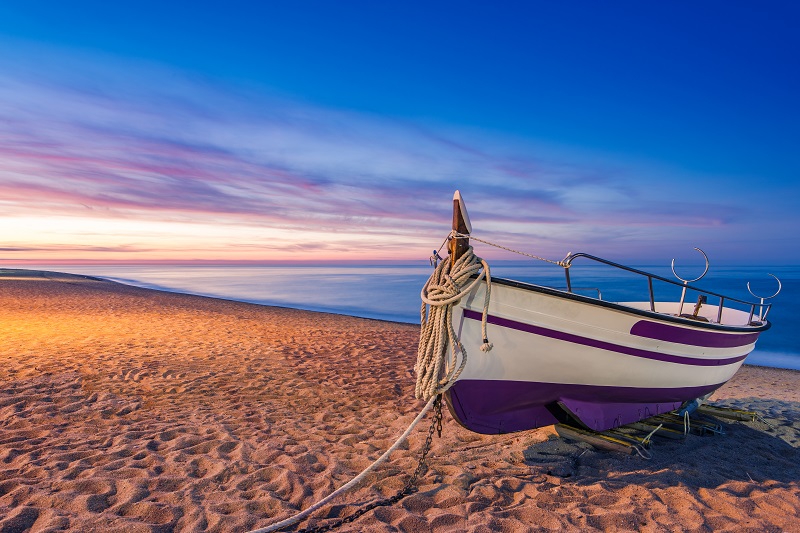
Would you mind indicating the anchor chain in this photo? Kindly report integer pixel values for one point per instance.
(409, 488)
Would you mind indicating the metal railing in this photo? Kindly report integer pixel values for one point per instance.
(763, 308)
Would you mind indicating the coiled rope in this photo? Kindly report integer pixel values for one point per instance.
(446, 286)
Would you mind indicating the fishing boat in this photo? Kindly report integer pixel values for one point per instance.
(561, 356)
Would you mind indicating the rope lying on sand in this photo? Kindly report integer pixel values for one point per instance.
(300, 516)
(441, 292)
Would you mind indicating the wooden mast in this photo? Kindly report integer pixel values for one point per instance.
(462, 225)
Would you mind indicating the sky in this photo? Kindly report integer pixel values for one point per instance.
(338, 131)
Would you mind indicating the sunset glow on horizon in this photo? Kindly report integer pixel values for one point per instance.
(347, 142)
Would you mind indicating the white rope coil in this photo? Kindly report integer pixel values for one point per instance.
(443, 290)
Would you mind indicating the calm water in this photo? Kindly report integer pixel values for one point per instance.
(392, 292)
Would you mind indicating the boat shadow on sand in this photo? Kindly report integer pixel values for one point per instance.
(750, 452)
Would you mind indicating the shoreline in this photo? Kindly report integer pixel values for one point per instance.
(130, 409)
(157, 288)
(773, 359)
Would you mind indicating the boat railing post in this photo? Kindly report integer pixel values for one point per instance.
(752, 312)
(719, 312)
(569, 282)
(652, 296)
(683, 298)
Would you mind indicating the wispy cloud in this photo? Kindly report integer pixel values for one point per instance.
(106, 141)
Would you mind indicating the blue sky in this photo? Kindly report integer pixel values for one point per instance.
(339, 130)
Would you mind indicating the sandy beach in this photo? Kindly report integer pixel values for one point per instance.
(127, 409)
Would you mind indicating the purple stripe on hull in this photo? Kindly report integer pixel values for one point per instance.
(494, 406)
(603, 345)
(692, 337)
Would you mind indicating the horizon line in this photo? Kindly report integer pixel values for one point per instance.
(22, 263)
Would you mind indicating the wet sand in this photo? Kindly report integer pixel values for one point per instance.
(126, 409)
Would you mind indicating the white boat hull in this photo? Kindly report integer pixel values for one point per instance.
(560, 356)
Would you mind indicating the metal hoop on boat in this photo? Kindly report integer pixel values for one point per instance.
(761, 314)
(695, 279)
(687, 281)
(780, 286)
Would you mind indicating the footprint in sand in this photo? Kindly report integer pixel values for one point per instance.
(167, 374)
(150, 512)
(172, 434)
(20, 519)
(83, 495)
(133, 374)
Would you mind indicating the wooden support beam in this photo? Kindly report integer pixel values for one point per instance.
(598, 440)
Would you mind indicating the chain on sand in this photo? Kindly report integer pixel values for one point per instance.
(408, 489)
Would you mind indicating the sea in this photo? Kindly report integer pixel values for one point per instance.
(391, 292)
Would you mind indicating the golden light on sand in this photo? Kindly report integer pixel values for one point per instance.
(125, 409)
